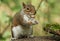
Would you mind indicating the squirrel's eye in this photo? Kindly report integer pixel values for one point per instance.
(27, 8)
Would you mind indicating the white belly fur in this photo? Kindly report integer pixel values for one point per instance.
(18, 30)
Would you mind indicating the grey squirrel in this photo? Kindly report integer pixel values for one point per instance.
(23, 21)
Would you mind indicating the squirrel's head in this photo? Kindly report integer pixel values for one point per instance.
(29, 9)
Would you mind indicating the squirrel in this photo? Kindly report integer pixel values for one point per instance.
(22, 22)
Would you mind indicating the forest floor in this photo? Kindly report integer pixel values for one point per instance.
(43, 38)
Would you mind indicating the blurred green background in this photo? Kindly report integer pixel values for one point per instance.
(48, 12)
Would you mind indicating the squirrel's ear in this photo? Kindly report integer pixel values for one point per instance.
(24, 5)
